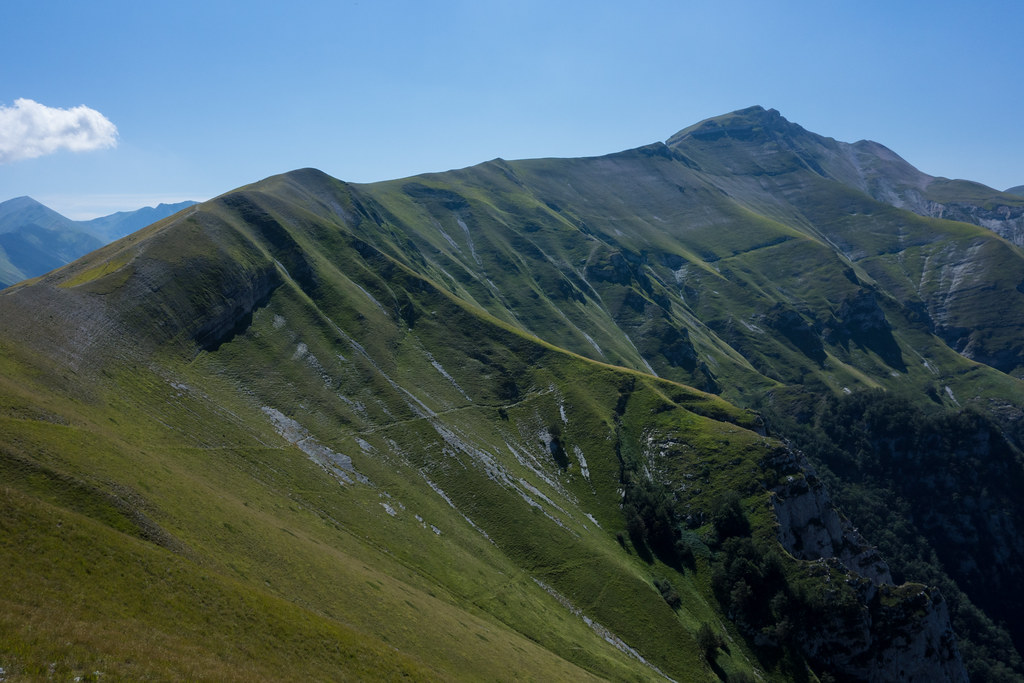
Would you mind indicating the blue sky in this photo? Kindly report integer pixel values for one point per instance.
(207, 96)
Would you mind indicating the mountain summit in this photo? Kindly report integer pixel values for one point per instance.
(777, 146)
(744, 124)
(761, 142)
(529, 419)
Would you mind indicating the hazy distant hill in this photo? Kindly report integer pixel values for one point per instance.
(117, 225)
(35, 239)
(1018, 190)
(545, 419)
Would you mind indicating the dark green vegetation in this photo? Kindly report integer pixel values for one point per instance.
(35, 239)
(446, 426)
(938, 491)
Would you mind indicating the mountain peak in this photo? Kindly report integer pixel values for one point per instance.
(23, 200)
(25, 210)
(743, 124)
(21, 204)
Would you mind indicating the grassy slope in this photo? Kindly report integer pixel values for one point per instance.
(206, 532)
(715, 265)
(944, 190)
(397, 324)
(273, 568)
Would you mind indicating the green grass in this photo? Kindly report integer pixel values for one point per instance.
(266, 554)
(278, 539)
(966, 192)
(146, 493)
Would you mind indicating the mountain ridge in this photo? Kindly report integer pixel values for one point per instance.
(490, 369)
(35, 239)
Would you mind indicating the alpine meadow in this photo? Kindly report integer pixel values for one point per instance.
(744, 405)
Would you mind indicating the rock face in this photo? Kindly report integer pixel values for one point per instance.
(907, 188)
(811, 528)
(1004, 220)
(896, 633)
(914, 641)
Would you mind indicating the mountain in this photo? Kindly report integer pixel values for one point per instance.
(117, 225)
(554, 419)
(1018, 190)
(35, 239)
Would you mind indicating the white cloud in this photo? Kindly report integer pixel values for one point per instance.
(29, 130)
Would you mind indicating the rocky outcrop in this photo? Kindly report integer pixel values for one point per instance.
(1006, 220)
(886, 177)
(811, 528)
(893, 633)
(913, 639)
(233, 312)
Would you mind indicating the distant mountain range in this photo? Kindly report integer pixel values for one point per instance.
(35, 239)
(743, 405)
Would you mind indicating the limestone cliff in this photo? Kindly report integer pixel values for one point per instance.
(895, 633)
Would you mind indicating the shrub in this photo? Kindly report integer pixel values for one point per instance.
(708, 641)
(727, 516)
(668, 593)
